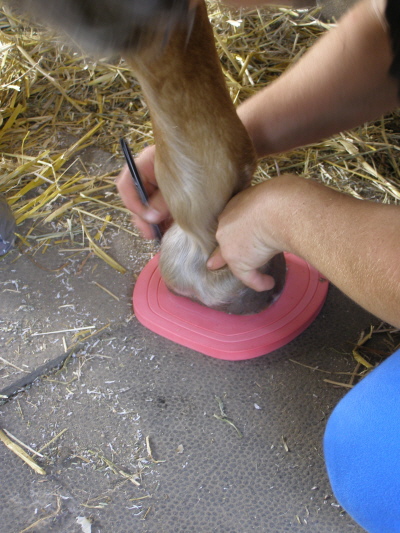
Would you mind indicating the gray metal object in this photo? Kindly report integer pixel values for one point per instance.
(8, 227)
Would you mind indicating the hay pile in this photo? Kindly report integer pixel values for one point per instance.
(55, 102)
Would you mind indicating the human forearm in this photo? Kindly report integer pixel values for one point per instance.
(341, 82)
(354, 243)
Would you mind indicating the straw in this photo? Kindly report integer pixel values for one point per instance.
(55, 102)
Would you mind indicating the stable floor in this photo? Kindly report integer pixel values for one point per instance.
(138, 434)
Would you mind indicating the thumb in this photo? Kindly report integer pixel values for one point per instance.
(216, 260)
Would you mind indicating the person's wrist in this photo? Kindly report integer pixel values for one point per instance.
(248, 120)
(278, 203)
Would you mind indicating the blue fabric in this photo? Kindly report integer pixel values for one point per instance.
(362, 449)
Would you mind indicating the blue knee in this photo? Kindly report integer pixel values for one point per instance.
(362, 449)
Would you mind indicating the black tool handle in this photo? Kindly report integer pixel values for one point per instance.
(138, 183)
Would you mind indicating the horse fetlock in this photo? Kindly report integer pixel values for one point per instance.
(184, 271)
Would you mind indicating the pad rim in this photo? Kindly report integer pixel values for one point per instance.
(161, 311)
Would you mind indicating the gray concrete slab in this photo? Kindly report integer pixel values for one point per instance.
(125, 392)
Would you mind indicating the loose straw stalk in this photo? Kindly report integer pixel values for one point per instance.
(15, 448)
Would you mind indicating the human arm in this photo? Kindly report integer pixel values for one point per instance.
(353, 243)
(342, 81)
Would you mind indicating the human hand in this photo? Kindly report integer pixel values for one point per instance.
(246, 237)
(157, 211)
(329, 230)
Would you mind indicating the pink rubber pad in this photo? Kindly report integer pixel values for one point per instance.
(225, 336)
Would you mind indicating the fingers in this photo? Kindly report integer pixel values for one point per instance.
(256, 280)
(253, 278)
(128, 193)
(157, 210)
(145, 229)
(216, 260)
(145, 163)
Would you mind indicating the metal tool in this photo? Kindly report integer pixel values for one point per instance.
(8, 227)
(138, 184)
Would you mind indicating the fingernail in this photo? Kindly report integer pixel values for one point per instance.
(152, 216)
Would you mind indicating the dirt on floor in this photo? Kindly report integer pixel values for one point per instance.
(137, 433)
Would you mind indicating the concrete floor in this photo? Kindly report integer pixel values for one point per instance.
(141, 448)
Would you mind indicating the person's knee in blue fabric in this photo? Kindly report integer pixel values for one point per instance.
(362, 449)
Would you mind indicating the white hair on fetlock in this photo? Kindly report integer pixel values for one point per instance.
(184, 270)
